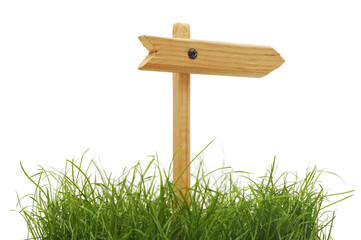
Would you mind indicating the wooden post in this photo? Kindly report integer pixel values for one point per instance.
(183, 56)
(181, 121)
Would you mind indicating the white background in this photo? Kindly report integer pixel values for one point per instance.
(69, 82)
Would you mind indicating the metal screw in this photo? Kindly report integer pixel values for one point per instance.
(192, 53)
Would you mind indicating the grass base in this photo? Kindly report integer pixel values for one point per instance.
(86, 203)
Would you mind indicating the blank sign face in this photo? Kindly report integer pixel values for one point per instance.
(208, 57)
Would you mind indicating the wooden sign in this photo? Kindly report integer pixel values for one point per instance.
(215, 58)
(182, 56)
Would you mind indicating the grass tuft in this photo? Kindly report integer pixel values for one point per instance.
(84, 202)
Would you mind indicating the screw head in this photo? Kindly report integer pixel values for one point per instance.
(192, 53)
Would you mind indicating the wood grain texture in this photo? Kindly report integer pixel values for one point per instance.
(215, 58)
(181, 121)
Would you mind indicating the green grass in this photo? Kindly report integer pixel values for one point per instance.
(86, 203)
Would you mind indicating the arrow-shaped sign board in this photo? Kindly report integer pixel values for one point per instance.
(183, 56)
(215, 58)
